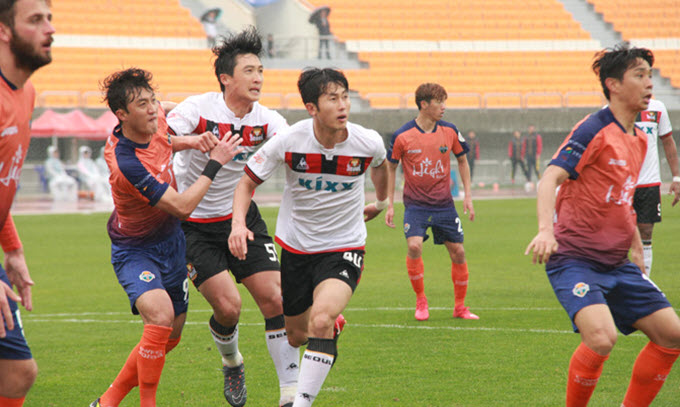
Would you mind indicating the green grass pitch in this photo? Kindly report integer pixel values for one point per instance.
(517, 354)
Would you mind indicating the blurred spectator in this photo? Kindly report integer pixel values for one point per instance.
(531, 148)
(63, 187)
(516, 155)
(101, 163)
(209, 21)
(320, 18)
(90, 176)
(473, 153)
(271, 53)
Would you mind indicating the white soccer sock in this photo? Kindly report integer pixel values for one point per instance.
(647, 255)
(315, 365)
(227, 343)
(286, 358)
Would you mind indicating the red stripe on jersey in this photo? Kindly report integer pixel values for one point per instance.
(295, 251)
(252, 175)
(210, 220)
(352, 166)
(318, 164)
(253, 135)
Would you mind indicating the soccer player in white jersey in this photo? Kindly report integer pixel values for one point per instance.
(647, 199)
(235, 109)
(320, 225)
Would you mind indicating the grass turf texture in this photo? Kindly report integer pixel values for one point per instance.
(81, 330)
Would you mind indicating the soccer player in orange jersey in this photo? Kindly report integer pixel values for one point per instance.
(25, 38)
(147, 242)
(587, 229)
(424, 146)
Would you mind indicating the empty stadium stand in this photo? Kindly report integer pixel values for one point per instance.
(491, 54)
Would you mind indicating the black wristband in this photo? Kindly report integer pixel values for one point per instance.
(211, 169)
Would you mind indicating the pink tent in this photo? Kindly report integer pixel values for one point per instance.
(106, 122)
(72, 124)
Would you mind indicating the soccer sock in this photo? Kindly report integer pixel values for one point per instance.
(226, 340)
(124, 382)
(651, 368)
(286, 358)
(150, 361)
(647, 255)
(316, 363)
(459, 275)
(584, 372)
(415, 270)
(127, 378)
(6, 402)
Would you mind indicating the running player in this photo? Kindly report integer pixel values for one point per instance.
(585, 233)
(25, 38)
(647, 199)
(424, 146)
(236, 109)
(147, 243)
(325, 159)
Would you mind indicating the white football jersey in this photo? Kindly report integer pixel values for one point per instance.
(655, 123)
(209, 112)
(323, 199)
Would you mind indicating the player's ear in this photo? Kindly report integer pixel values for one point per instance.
(224, 79)
(311, 109)
(121, 114)
(612, 84)
(5, 33)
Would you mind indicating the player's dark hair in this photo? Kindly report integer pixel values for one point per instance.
(247, 41)
(314, 82)
(7, 12)
(427, 92)
(122, 87)
(614, 62)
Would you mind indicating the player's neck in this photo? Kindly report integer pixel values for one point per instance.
(135, 137)
(624, 115)
(240, 107)
(425, 123)
(16, 76)
(327, 136)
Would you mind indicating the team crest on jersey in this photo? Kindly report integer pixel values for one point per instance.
(580, 289)
(461, 138)
(146, 276)
(191, 271)
(443, 149)
(257, 135)
(354, 166)
(407, 227)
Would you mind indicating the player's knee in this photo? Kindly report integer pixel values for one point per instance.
(321, 325)
(601, 341)
(415, 250)
(18, 382)
(227, 310)
(457, 254)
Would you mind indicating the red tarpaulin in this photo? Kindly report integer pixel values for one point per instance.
(106, 122)
(72, 124)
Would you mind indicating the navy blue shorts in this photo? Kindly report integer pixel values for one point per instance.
(13, 346)
(629, 294)
(445, 224)
(163, 266)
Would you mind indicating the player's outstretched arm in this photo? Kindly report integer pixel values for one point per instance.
(544, 244)
(379, 176)
(204, 142)
(181, 205)
(240, 234)
(391, 180)
(464, 169)
(168, 105)
(17, 273)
